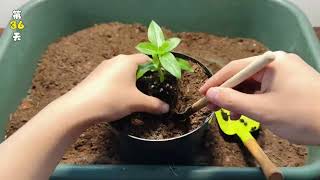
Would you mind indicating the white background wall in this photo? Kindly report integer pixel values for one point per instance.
(310, 7)
(6, 7)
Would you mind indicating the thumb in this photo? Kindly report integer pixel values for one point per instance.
(152, 105)
(247, 104)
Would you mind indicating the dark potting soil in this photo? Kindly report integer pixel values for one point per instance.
(70, 59)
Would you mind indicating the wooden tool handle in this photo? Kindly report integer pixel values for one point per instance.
(241, 76)
(271, 171)
(201, 103)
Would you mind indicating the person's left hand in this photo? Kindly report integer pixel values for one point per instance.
(110, 92)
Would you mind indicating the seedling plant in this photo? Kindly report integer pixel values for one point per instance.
(159, 48)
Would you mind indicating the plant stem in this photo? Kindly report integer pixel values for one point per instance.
(156, 61)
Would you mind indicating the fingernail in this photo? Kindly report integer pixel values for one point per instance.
(213, 93)
(164, 108)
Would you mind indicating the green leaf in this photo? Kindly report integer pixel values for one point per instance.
(155, 34)
(147, 48)
(169, 63)
(184, 65)
(142, 69)
(169, 45)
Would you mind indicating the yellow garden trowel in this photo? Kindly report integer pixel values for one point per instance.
(243, 128)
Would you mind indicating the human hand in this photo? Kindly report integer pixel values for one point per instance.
(288, 100)
(110, 93)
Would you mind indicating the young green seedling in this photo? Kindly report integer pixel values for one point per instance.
(162, 59)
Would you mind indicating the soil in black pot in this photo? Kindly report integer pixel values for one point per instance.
(70, 59)
(151, 85)
(179, 93)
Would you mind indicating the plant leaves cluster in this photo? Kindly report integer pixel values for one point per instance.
(160, 50)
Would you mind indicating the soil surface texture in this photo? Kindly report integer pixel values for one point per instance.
(70, 59)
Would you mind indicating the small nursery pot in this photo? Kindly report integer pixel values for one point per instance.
(181, 149)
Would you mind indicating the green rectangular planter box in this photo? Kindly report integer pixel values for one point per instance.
(278, 24)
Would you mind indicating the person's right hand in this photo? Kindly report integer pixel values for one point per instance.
(288, 102)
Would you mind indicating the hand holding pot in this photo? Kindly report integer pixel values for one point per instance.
(110, 93)
(287, 103)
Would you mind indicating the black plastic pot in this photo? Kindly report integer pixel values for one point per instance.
(181, 149)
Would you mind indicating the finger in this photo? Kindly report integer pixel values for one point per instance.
(213, 107)
(279, 55)
(150, 104)
(139, 58)
(230, 70)
(225, 73)
(251, 105)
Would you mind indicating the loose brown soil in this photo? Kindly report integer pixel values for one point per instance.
(70, 59)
